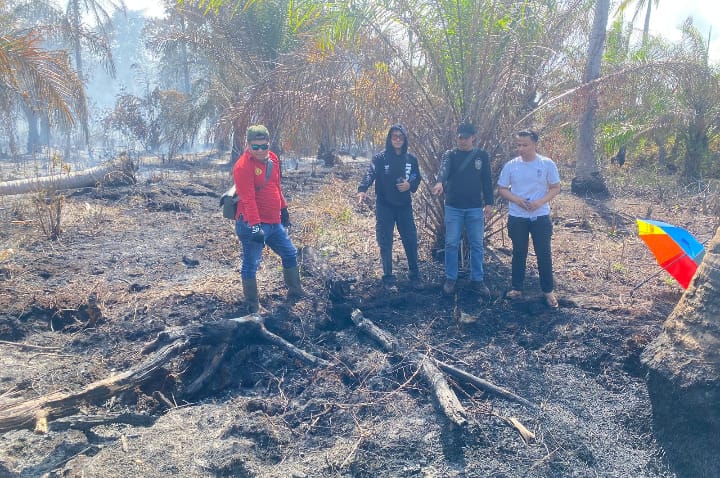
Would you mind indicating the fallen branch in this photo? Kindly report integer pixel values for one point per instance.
(482, 384)
(446, 398)
(38, 412)
(430, 369)
(526, 434)
(387, 342)
(279, 341)
(444, 395)
(30, 346)
(159, 396)
(121, 167)
(87, 422)
(209, 371)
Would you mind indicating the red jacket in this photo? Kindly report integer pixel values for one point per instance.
(258, 206)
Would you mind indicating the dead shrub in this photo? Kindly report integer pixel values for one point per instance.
(48, 211)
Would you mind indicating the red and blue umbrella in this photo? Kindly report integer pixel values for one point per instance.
(675, 249)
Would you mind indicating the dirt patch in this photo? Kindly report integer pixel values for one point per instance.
(134, 261)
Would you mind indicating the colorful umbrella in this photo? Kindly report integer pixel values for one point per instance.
(675, 249)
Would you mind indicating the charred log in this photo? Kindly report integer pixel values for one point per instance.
(446, 398)
(121, 169)
(37, 413)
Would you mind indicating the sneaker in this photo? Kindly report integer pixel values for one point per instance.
(479, 288)
(551, 300)
(513, 294)
(449, 286)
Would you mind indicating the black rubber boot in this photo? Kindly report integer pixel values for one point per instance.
(250, 291)
(292, 280)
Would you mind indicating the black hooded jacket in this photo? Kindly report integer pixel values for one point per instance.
(388, 168)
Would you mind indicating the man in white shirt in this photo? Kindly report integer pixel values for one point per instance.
(529, 182)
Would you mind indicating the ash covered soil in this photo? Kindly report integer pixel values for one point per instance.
(135, 261)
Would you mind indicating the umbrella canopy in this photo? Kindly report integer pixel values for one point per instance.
(675, 249)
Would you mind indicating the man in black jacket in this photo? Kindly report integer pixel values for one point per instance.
(465, 178)
(396, 175)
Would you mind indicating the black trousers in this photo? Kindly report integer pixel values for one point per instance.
(520, 229)
(386, 219)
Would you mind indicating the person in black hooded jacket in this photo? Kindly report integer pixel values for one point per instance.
(396, 175)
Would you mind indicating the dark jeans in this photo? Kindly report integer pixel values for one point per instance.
(386, 219)
(519, 230)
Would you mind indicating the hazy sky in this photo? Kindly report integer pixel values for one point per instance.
(151, 8)
(670, 14)
(665, 20)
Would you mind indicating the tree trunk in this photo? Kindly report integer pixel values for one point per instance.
(121, 168)
(238, 143)
(76, 25)
(646, 25)
(184, 61)
(33, 139)
(45, 130)
(587, 178)
(696, 149)
(662, 152)
(684, 372)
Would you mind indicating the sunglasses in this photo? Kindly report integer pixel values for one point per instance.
(255, 147)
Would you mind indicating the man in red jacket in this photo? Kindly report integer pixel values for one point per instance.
(262, 215)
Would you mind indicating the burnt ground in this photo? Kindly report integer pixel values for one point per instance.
(157, 254)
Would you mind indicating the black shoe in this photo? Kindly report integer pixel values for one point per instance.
(416, 283)
(479, 288)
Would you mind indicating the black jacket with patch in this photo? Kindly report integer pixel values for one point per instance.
(469, 186)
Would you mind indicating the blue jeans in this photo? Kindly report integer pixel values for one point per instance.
(473, 220)
(386, 219)
(540, 229)
(276, 238)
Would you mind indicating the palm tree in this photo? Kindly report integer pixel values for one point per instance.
(587, 174)
(66, 29)
(699, 102)
(215, 59)
(639, 5)
(669, 97)
(79, 33)
(39, 79)
(97, 40)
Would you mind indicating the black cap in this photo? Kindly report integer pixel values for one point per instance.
(466, 130)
